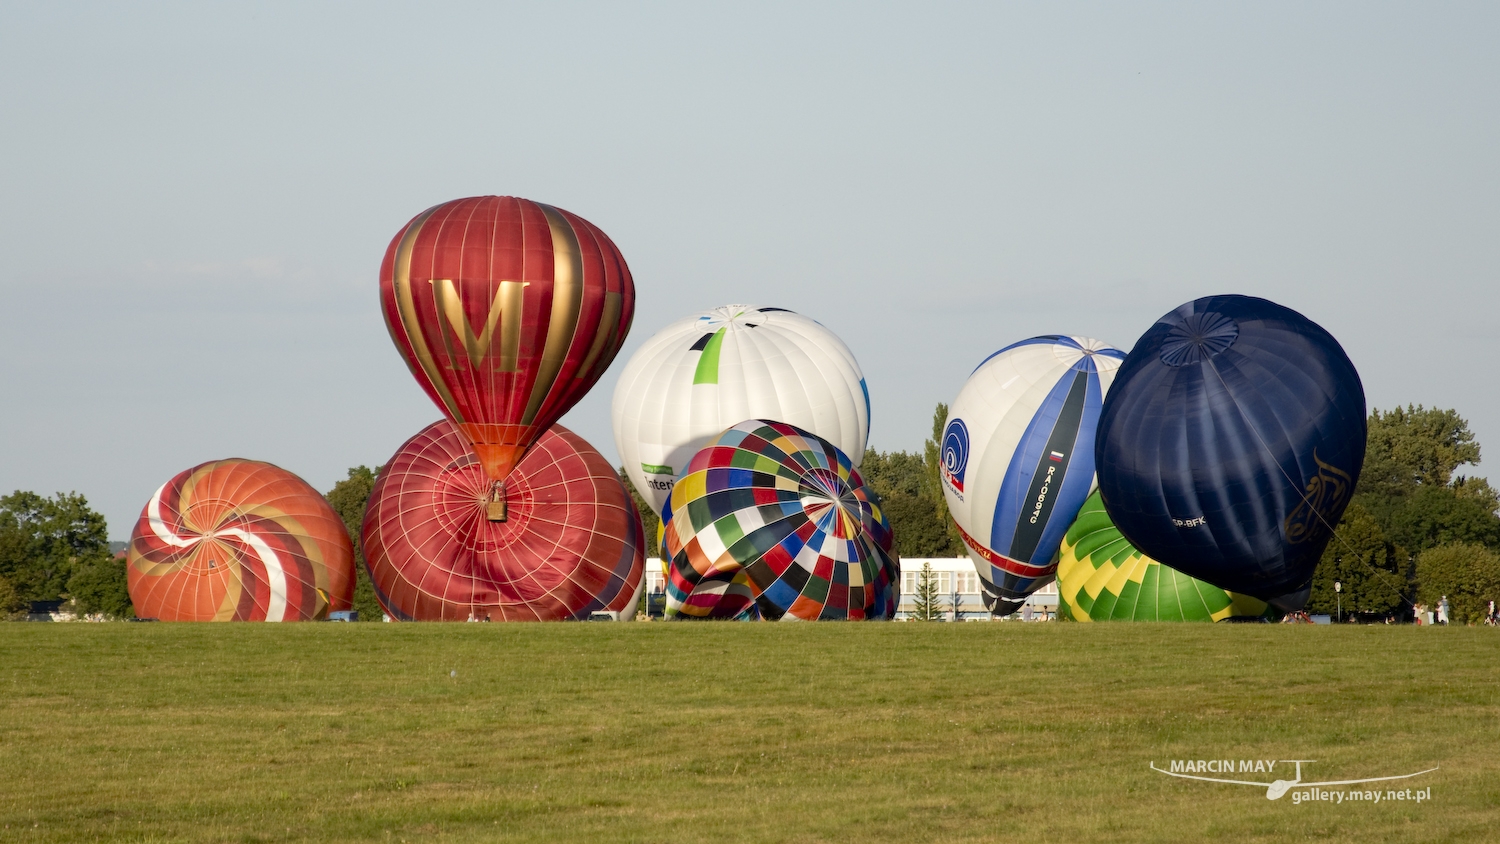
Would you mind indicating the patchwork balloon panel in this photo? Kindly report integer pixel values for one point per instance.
(239, 540)
(571, 544)
(1102, 577)
(773, 522)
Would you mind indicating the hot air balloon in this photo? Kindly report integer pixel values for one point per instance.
(701, 374)
(1018, 457)
(771, 521)
(571, 545)
(239, 540)
(1231, 442)
(1102, 577)
(507, 311)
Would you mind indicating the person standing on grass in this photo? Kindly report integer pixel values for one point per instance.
(1443, 610)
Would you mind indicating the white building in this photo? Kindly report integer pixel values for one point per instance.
(958, 586)
(656, 582)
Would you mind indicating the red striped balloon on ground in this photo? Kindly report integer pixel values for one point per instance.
(570, 546)
(239, 540)
(507, 311)
(773, 522)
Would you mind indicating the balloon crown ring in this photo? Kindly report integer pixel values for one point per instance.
(1197, 337)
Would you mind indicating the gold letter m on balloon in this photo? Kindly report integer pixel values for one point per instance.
(505, 313)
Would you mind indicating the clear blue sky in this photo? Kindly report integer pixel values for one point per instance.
(194, 198)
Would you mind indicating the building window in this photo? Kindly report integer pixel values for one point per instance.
(968, 582)
(910, 580)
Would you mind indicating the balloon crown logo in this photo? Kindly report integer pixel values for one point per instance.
(1327, 492)
(955, 454)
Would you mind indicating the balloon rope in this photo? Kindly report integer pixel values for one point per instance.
(1305, 499)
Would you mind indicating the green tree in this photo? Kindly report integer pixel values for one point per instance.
(1438, 515)
(1415, 446)
(1411, 488)
(932, 451)
(100, 587)
(895, 473)
(1467, 573)
(1416, 449)
(43, 541)
(911, 494)
(1477, 489)
(897, 479)
(10, 604)
(348, 498)
(649, 519)
(928, 603)
(1372, 570)
(917, 527)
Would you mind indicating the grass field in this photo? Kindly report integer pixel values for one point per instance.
(735, 732)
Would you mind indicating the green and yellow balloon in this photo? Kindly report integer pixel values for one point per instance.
(1102, 577)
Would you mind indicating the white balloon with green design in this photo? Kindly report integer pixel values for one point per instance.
(712, 370)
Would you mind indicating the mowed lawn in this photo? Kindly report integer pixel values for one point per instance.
(735, 732)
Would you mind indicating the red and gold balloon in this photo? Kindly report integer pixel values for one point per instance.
(507, 311)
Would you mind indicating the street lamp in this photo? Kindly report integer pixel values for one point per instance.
(1338, 589)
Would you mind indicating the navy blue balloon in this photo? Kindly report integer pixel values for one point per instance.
(1230, 443)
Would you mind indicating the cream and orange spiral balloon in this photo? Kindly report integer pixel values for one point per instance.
(239, 540)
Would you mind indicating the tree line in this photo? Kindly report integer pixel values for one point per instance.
(55, 549)
(1415, 531)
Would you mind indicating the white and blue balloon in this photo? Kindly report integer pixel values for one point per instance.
(1018, 457)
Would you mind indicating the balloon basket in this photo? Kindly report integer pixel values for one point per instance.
(495, 507)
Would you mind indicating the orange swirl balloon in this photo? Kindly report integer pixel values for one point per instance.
(239, 540)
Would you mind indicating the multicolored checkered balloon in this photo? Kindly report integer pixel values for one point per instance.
(770, 521)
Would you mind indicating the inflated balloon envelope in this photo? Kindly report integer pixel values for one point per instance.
(773, 522)
(705, 372)
(1018, 457)
(1231, 443)
(571, 545)
(506, 311)
(1101, 577)
(239, 540)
